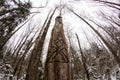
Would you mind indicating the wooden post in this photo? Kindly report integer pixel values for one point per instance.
(57, 62)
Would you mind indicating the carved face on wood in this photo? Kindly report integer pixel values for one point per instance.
(59, 19)
(58, 23)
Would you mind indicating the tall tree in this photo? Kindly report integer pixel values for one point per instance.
(32, 71)
(83, 60)
(12, 13)
(114, 53)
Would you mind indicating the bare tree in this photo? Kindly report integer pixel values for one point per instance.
(102, 38)
(32, 71)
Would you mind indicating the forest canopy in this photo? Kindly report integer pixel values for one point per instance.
(41, 40)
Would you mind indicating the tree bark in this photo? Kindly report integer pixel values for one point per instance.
(33, 72)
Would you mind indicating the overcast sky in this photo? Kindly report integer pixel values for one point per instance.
(88, 8)
(85, 8)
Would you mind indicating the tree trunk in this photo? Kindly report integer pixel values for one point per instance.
(33, 72)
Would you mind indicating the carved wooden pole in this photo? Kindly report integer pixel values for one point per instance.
(57, 62)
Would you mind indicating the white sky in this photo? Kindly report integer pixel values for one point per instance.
(84, 8)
